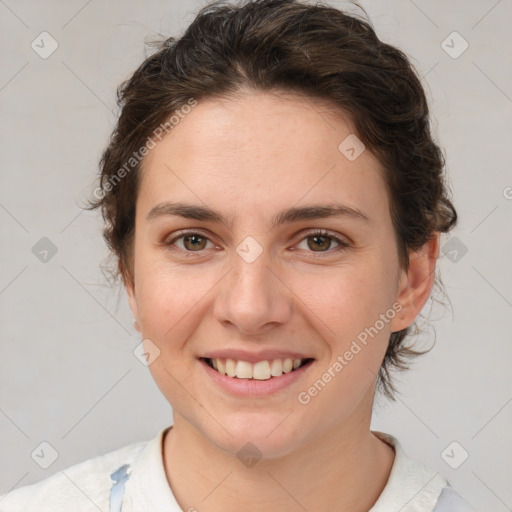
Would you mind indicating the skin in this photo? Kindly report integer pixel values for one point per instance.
(249, 157)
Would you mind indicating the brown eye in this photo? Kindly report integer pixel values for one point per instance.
(321, 241)
(191, 241)
(194, 242)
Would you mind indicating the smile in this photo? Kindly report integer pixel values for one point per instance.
(260, 370)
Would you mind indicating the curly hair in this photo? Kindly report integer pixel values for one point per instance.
(317, 51)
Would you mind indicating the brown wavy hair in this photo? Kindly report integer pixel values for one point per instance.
(317, 51)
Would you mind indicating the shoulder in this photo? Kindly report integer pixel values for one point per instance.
(413, 486)
(83, 487)
(450, 501)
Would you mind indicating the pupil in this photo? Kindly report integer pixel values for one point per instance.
(194, 244)
(326, 241)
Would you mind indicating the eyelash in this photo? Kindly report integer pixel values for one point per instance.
(342, 245)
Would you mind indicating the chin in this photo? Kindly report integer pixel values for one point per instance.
(257, 434)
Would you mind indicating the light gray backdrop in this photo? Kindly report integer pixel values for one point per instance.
(68, 376)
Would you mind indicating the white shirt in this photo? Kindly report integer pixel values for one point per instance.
(132, 479)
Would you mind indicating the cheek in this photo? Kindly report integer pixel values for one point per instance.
(346, 300)
(170, 300)
(348, 308)
(347, 314)
(170, 307)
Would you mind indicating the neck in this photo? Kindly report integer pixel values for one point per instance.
(344, 469)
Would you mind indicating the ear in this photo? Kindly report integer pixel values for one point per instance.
(415, 284)
(129, 286)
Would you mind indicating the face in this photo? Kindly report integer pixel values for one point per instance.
(240, 280)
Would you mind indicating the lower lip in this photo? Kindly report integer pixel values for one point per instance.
(254, 387)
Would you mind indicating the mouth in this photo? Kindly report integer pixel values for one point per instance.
(268, 369)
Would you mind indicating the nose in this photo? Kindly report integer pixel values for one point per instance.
(252, 298)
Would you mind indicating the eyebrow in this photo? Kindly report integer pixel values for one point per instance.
(287, 216)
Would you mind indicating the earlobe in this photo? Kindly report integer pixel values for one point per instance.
(416, 283)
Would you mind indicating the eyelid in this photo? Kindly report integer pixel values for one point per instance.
(342, 239)
(171, 239)
(343, 242)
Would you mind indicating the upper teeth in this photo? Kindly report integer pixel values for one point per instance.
(262, 370)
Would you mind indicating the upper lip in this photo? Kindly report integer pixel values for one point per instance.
(254, 357)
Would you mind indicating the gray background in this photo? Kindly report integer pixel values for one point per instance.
(68, 375)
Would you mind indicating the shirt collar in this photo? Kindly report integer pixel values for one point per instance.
(411, 486)
(148, 488)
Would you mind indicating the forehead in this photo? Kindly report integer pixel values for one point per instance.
(268, 123)
(259, 151)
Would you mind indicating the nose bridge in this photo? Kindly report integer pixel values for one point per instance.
(252, 296)
(251, 279)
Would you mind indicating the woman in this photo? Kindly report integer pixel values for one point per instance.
(274, 199)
